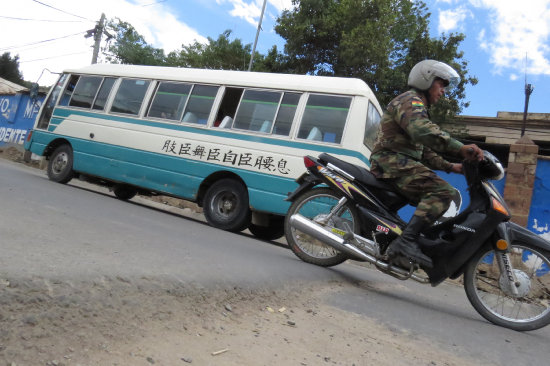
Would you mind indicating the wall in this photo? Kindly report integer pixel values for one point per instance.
(539, 214)
(17, 114)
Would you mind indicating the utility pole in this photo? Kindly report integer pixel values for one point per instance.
(528, 90)
(257, 35)
(98, 32)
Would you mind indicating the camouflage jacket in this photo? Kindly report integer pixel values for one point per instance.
(407, 138)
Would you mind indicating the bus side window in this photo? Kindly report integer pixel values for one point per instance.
(371, 127)
(129, 96)
(68, 92)
(103, 94)
(257, 110)
(228, 107)
(169, 101)
(85, 91)
(286, 113)
(47, 111)
(324, 118)
(200, 104)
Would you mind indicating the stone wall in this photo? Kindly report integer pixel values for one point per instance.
(520, 179)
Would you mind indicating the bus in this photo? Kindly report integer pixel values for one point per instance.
(231, 141)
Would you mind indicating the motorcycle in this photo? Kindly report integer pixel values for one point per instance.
(341, 211)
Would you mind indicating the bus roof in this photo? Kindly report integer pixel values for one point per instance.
(324, 84)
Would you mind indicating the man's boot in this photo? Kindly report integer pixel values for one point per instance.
(406, 245)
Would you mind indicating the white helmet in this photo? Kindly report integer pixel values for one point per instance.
(425, 72)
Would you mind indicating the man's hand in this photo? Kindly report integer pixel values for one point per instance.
(456, 168)
(471, 152)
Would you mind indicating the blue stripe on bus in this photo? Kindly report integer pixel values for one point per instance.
(61, 113)
(167, 174)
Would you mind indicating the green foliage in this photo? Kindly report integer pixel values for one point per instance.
(9, 69)
(218, 53)
(129, 47)
(376, 40)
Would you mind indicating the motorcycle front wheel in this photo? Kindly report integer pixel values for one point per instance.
(491, 296)
(317, 205)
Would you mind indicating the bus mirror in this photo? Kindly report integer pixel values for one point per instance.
(34, 91)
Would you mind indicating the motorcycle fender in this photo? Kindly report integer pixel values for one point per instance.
(520, 234)
(306, 181)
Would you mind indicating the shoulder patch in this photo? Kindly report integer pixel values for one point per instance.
(417, 103)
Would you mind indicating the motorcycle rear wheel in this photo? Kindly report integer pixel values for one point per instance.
(487, 291)
(315, 205)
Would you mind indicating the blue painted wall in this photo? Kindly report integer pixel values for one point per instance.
(17, 114)
(539, 214)
(459, 182)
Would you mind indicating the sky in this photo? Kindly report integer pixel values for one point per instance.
(506, 45)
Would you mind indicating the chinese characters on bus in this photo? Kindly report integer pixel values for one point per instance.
(267, 163)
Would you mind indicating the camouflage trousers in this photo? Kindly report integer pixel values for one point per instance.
(431, 194)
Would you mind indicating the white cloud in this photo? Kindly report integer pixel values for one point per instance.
(450, 20)
(251, 10)
(157, 24)
(517, 31)
(281, 5)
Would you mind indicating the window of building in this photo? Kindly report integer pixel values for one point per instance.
(200, 104)
(85, 91)
(324, 118)
(371, 127)
(103, 94)
(129, 96)
(169, 101)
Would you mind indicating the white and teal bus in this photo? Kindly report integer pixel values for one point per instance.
(233, 142)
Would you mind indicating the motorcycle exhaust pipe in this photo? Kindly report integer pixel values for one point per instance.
(315, 230)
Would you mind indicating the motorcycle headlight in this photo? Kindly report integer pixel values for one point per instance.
(490, 168)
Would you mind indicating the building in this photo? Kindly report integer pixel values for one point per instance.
(17, 112)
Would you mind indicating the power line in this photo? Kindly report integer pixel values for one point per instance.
(63, 11)
(44, 41)
(56, 56)
(156, 2)
(42, 20)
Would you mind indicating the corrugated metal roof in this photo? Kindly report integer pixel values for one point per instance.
(7, 87)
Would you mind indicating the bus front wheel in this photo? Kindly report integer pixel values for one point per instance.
(60, 165)
(226, 205)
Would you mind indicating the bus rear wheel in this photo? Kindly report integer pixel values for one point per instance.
(226, 205)
(60, 165)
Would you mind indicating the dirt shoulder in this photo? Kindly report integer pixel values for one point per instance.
(123, 321)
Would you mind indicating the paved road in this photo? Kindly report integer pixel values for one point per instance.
(77, 232)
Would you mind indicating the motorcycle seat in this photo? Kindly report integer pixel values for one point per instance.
(361, 174)
(385, 192)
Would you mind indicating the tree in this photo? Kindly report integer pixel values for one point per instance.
(129, 47)
(221, 53)
(376, 40)
(9, 68)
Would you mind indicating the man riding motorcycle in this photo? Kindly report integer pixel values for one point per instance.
(406, 151)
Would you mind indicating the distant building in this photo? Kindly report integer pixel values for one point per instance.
(496, 134)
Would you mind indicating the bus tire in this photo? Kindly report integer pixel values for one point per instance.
(226, 205)
(60, 165)
(124, 192)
